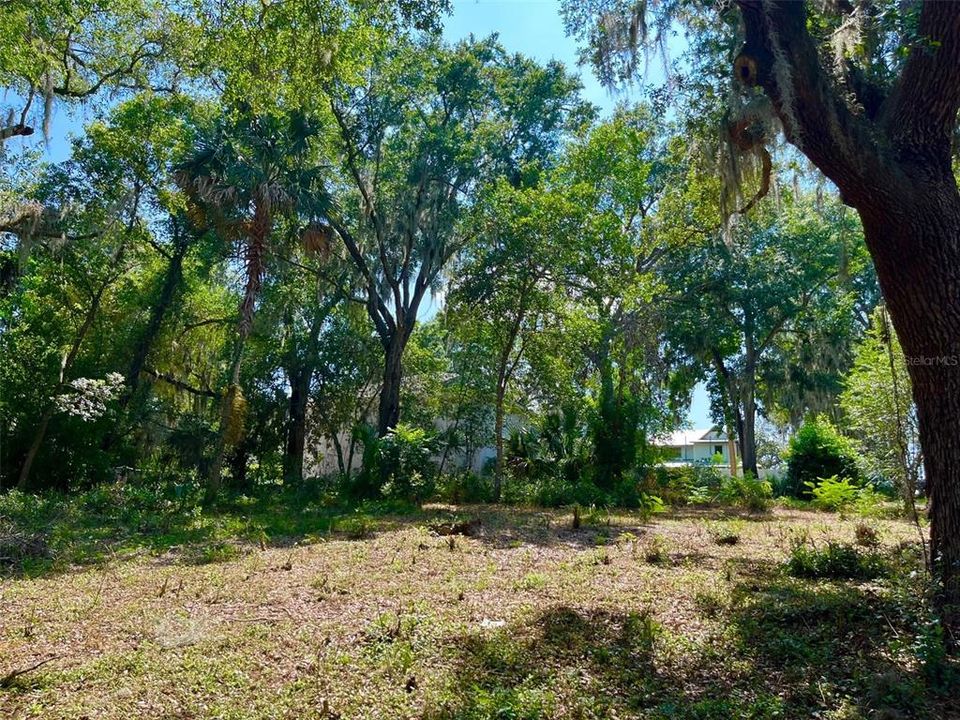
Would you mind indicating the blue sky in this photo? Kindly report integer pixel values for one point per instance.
(531, 27)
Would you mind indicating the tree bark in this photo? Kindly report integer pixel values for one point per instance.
(256, 248)
(388, 413)
(498, 433)
(748, 456)
(508, 363)
(920, 286)
(297, 425)
(748, 402)
(158, 313)
(730, 386)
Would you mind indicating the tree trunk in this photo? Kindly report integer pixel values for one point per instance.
(238, 466)
(256, 248)
(338, 448)
(749, 455)
(748, 397)
(917, 256)
(893, 163)
(748, 412)
(736, 411)
(351, 452)
(23, 481)
(171, 282)
(215, 479)
(498, 432)
(297, 425)
(388, 414)
(158, 313)
(300, 376)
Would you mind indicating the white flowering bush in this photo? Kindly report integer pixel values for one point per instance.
(87, 398)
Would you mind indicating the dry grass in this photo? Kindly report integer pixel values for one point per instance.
(527, 619)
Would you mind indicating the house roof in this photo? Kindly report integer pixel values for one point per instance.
(691, 437)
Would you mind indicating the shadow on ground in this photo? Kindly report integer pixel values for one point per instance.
(41, 535)
(791, 649)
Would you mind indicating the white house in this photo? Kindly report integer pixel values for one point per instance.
(697, 447)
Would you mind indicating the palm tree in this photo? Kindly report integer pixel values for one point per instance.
(248, 172)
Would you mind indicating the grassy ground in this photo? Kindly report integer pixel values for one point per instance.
(691, 614)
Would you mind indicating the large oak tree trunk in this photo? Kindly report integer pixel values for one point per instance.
(388, 414)
(917, 255)
(748, 456)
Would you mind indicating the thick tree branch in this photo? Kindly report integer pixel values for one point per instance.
(922, 111)
(180, 384)
(780, 56)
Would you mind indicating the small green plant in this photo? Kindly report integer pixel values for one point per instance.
(710, 604)
(355, 527)
(649, 505)
(835, 561)
(597, 517)
(833, 493)
(214, 553)
(871, 503)
(531, 581)
(725, 533)
(656, 552)
(747, 491)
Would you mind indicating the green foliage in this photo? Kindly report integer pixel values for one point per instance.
(835, 561)
(464, 487)
(747, 491)
(696, 484)
(816, 451)
(408, 452)
(833, 493)
(878, 406)
(708, 485)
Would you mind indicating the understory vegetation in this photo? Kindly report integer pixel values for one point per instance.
(257, 611)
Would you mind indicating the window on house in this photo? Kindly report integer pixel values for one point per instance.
(718, 449)
(671, 453)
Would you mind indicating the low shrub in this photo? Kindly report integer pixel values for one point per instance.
(464, 487)
(408, 450)
(835, 561)
(656, 551)
(725, 533)
(671, 484)
(19, 550)
(872, 503)
(841, 495)
(746, 491)
(817, 451)
(832, 493)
